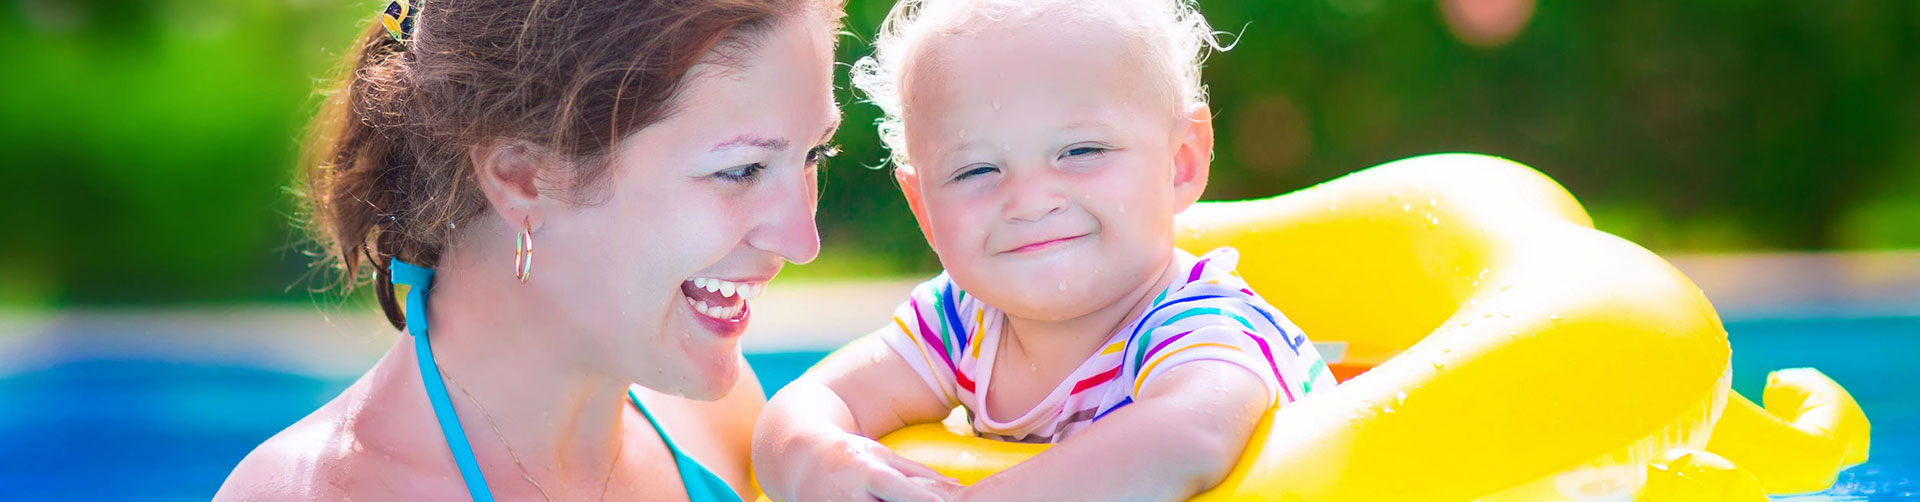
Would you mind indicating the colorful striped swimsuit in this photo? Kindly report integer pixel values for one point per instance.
(950, 339)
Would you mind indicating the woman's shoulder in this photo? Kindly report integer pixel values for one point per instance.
(289, 466)
(329, 455)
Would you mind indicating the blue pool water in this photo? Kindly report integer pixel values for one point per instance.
(161, 430)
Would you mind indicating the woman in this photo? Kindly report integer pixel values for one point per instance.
(661, 153)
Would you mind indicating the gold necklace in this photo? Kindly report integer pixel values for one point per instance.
(604, 484)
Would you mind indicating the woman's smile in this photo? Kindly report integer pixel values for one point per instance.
(721, 304)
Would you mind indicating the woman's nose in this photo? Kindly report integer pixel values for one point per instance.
(786, 226)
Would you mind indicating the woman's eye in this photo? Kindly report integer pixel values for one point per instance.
(974, 171)
(1082, 151)
(742, 174)
(822, 152)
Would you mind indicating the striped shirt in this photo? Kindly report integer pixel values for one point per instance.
(1209, 314)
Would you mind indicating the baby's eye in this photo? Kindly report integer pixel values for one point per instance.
(1080, 151)
(742, 174)
(974, 171)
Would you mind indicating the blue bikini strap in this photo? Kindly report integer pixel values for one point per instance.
(420, 281)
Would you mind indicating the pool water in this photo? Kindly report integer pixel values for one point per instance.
(1874, 359)
(168, 430)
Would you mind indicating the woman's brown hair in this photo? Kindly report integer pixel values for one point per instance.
(388, 173)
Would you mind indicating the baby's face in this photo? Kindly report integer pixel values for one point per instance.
(1045, 160)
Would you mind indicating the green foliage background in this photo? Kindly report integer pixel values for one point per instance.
(148, 144)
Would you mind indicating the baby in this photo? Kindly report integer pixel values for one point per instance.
(1045, 147)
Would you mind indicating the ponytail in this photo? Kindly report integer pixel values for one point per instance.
(356, 152)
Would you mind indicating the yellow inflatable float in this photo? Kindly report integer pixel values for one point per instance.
(1504, 350)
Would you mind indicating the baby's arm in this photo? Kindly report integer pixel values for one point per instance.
(1181, 436)
(812, 443)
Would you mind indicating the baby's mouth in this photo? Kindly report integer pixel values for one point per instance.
(1043, 245)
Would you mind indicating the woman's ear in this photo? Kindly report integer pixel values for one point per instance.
(1193, 159)
(509, 174)
(909, 180)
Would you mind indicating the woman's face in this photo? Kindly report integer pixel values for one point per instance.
(715, 197)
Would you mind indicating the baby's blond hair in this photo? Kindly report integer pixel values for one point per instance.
(1173, 31)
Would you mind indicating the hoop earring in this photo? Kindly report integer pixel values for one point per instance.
(523, 252)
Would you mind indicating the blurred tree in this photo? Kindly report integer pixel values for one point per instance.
(148, 144)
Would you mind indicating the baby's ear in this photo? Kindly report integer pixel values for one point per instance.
(909, 180)
(1193, 160)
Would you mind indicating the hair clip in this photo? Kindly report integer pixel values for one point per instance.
(398, 18)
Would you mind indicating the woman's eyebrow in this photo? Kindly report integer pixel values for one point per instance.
(767, 143)
(753, 141)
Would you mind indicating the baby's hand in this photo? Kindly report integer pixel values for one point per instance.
(859, 468)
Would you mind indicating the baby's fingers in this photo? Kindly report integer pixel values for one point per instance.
(898, 488)
(912, 468)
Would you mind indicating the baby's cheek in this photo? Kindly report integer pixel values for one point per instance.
(956, 228)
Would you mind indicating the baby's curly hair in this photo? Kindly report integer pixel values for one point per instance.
(1173, 31)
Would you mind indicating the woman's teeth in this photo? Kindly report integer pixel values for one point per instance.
(730, 297)
(728, 289)
(724, 313)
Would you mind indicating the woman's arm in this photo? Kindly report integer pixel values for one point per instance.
(1182, 435)
(813, 442)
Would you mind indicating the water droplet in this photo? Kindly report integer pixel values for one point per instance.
(1406, 207)
(1504, 287)
(1555, 317)
(996, 104)
(1400, 397)
(1433, 202)
(1486, 315)
(1063, 286)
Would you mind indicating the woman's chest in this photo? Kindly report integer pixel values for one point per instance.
(644, 473)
